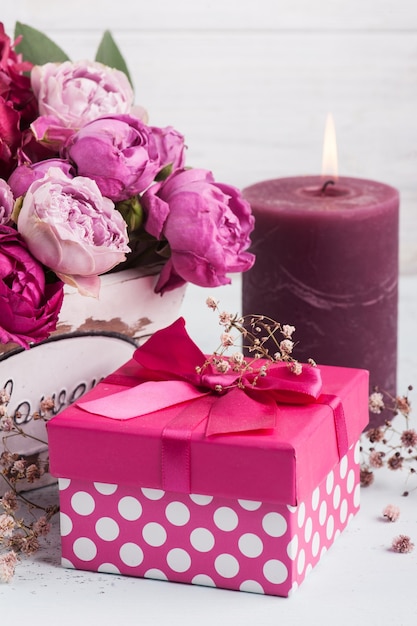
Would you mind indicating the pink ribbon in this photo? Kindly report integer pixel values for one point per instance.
(170, 375)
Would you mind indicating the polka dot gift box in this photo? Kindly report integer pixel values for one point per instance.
(162, 476)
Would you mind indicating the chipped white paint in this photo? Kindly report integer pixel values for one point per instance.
(127, 305)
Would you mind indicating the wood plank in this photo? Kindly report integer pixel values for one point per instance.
(217, 15)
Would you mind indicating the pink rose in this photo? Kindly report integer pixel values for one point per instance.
(29, 308)
(206, 224)
(24, 175)
(118, 152)
(171, 147)
(72, 94)
(6, 202)
(72, 229)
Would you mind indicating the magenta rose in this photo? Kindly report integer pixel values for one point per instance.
(118, 152)
(10, 138)
(6, 202)
(18, 106)
(29, 308)
(72, 229)
(24, 175)
(15, 87)
(206, 224)
(72, 94)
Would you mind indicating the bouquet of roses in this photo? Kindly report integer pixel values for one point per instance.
(87, 185)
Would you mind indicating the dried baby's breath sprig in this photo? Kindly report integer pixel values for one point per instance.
(389, 445)
(22, 521)
(259, 337)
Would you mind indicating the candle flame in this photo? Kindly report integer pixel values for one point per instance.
(329, 160)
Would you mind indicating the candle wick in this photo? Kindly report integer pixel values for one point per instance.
(326, 184)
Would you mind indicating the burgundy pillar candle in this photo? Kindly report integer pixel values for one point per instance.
(327, 263)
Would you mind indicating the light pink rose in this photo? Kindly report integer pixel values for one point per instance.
(6, 202)
(72, 229)
(206, 224)
(71, 94)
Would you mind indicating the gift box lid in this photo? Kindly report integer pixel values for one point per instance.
(283, 464)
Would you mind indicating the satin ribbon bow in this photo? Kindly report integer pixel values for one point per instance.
(170, 376)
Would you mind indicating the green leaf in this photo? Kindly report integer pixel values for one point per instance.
(109, 54)
(37, 47)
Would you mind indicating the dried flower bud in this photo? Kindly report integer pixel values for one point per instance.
(227, 340)
(391, 512)
(375, 434)
(237, 358)
(409, 438)
(7, 525)
(288, 331)
(366, 477)
(376, 458)
(286, 346)
(263, 370)
(296, 368)
(376, 402)
(402, 404)
(211, 303)
(47, 404)
(403, 544)
(395, 462)
(222, 366)
(8, 563)
(4, 397)
(6, 424)
(9, 501)
(30, 545)
(33, 473)
(41, 527)
(18, 467)
(225, 318)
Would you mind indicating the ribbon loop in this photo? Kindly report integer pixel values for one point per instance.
(171, 375)
(172, 364)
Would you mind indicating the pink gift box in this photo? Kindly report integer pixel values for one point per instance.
(256, 513)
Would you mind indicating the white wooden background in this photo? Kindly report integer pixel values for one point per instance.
(250, 83)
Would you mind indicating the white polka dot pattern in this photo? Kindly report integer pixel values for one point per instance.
(205, 540)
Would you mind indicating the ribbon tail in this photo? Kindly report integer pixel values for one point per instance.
(237, 411)
(145, 398)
